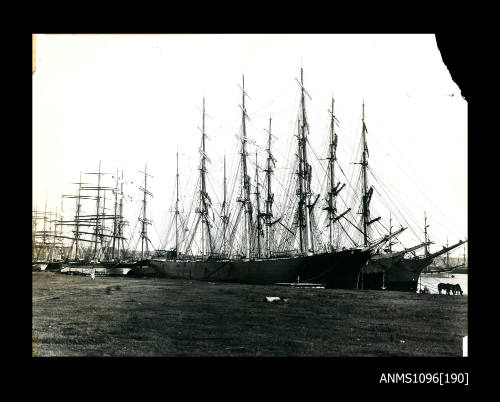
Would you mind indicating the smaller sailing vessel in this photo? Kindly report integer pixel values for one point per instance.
(47, 249)
(388, 269)
(105, 253)
(462, 268)
(395, 271)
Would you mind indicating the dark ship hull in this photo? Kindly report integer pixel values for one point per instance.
(335, 270)
(390, 272)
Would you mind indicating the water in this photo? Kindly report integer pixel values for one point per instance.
(432, 281)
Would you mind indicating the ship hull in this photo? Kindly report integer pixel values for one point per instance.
(102, 268)
(335, 270)
(393, 273)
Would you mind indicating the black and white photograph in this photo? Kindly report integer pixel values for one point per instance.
(248, 195)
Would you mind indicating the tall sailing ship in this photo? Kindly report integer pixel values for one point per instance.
(266, 255)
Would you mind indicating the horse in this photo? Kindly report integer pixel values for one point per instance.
(456, 289)
(445, 286)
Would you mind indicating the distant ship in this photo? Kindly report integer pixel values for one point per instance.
(95, 246)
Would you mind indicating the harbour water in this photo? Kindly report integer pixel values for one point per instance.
(431, 281)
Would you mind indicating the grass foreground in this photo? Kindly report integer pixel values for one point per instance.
(120, 316)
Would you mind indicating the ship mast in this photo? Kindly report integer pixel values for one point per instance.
(447, 254)
(333, 189)
(224, 217)
(33, 239)
(257, 203)
(99, 174)
(367, 193)
(364, 165)
(53, 232)
(103, 225)
(76, 221)
(306, 168)
(390, 231)
(61, 232)
(426, 236)
(245, 179)
(144, 220)
(44, 236)
(120, 222)
(204, 199)
(300, 175)
(115, 220)
(176, 202)
(270, 196)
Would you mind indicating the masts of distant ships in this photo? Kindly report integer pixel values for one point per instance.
(115, 220)
(245, 180)
(144, 220)
(305, 207)
(44, 229)
(121, 221)
(97, 210)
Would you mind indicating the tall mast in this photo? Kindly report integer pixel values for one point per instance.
(61, 217)
(120, 223)
(300, 175)
(204, 199)
(115, 220)
(270, 195)
(103, 224)
(44, 237)
(76, 221)
(177, 202)
(77, 217)
(144, 220)
(245, 179)
(332, 193)
(306, 167)
(447, 254)
(390, 231)
(33, 228)
(426, 236)
(224, 217)
(257, 199)
(366, 195)
(53, 233)
(98, 230)
(97, 210)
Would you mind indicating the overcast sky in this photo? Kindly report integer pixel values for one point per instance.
(128, 100)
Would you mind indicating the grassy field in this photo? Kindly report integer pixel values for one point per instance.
(119, 316)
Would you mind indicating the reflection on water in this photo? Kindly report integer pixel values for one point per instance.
(432, 281)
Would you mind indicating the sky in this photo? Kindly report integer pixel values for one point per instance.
(131, 100)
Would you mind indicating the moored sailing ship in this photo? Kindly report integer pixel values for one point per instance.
(388, 269)
(258, 262)
(105, 252)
